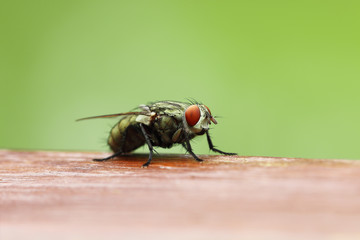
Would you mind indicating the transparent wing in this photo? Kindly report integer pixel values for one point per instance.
(170, 108)
(115, 115)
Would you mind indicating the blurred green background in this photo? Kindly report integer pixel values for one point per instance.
(284, 75)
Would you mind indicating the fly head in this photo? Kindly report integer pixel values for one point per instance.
(197, 118)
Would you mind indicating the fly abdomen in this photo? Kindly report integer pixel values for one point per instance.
(126, 135)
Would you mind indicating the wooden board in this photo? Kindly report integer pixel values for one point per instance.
(66, 195)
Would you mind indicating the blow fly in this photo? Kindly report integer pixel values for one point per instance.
(162, 124)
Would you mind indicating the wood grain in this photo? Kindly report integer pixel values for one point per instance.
(66, 195)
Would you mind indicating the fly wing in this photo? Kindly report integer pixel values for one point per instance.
(116, 115)
(147, 113)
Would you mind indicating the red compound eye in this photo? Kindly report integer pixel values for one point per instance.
(192, 115)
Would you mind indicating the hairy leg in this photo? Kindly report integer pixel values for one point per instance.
(188, 148)
(212, 148)
(148, 142)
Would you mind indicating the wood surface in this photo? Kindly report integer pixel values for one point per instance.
(66, 195)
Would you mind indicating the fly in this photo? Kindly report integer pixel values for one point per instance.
(161, 124)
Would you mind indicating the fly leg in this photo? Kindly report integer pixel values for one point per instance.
(107, 158)
(188, 148)
(212, 148)
(148, 142)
